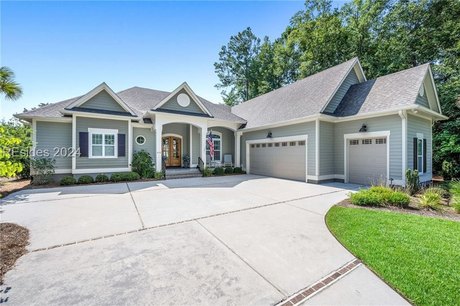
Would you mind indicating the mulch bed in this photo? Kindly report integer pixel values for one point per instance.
(13, 242)
(10, 186)
(445, 212)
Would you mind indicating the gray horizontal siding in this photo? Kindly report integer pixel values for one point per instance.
(419, 125)
(386, 123)
(326, 148)
(307, 128)
(103, 101)
(149, 145)
(228, 141)
(351, 79)
(52, 137)
(83, 124)
(173, 105)
(422, 101)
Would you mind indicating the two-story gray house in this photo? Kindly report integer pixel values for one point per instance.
(333, 125)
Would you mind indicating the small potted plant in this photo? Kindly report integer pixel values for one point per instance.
(186, 161)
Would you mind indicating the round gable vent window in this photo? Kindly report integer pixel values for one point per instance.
(183, 100)
(140, 140)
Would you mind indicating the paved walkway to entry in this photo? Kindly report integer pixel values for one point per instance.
(213, 241)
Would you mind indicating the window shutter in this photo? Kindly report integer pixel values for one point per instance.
(83, 140)
(415, 154)
(121, 145)
(424, 155)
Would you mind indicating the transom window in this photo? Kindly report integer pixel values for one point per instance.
(270, 145)
(354, 142)
(366, 141)
(102, 143)
(217, 141)
(277, 144)
(381, 141)
(302, 143)
(284, 144)
(292, 143)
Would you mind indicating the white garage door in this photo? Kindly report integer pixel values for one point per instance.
(279, 159)
(367, 161)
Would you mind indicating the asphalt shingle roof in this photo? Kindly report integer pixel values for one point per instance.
(300, 99)
(388, 92)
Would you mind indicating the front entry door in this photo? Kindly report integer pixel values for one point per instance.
(172, 151)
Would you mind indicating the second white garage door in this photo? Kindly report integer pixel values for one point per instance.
(367, 161)
(279, 159)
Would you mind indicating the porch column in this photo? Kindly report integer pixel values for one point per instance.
(238, 148)
(158, 145)
(204, 132)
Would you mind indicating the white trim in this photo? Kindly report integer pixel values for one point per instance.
(221, 143)
(434, 89)
(420, 136)
(237, 136)
(34, 135)
(140, 144)
(187, 88)
(190, 143)
(63, 171)
(347, 137)
(317, 143)
(142, 125)
(98, 115)
(100, 170)
(130, 143)
(74, 142)
(59, 119)
(181, 145)
(95, 91)
(326, 177)
(103, 132)
(277, 139)
(403, 115)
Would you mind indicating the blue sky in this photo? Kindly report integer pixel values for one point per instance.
(60, 49)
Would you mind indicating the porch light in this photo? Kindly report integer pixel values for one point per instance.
(363, 128)
(269, 135)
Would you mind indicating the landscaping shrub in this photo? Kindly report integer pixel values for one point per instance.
(207, 172)
(228, 170)
(219, 171)
(142, 164)
(159, 175)
(116, 177)
(42, 169)
(381, 189)
(100, 178)
(68, 180)
(367, 198)
(85, 179)
(413, 181)
(430, 200)
(454, 188)
(442, 192)
(237, 170)
(398, 198)
(125, 177)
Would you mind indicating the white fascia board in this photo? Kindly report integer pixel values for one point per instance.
(189, 90)
(98, 89)
(51, 119)
(434, 88)
(99, 116)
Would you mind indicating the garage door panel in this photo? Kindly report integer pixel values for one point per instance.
(367, 163)
(282, 161)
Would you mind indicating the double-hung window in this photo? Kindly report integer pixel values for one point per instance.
(102, 143)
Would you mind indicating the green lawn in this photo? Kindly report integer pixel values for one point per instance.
(419, 256)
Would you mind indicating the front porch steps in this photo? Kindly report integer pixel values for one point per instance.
(175, 173)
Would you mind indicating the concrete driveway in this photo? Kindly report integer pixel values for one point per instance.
(212, 241)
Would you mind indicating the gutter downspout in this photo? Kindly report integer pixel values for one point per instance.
(403, 115)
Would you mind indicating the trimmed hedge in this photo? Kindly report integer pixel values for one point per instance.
(101, 178)
(68, 180)
(219, 171)
(125, 177)
(228, 170)
(238, 170)
(85, 179)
